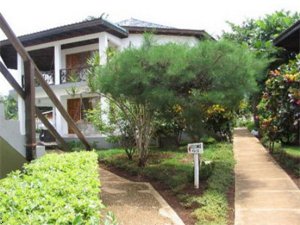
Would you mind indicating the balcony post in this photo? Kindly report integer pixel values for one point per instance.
(21, 103)
(57, 63)
(29, 71)
(103, 45)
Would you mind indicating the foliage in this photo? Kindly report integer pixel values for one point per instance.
(217, 68)
(174, 168)
(94, 116)
(75, 146)
(73, 78)
(213, 203)
(260, 33)
(170, 124)
(55, 189)
(279, 109)
(115, 127)
(220, 120)
(10, 107)
(146, 83)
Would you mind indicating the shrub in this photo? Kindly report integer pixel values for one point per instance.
(55, 189)
(279, 108)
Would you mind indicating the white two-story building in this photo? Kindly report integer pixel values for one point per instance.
(61, 54)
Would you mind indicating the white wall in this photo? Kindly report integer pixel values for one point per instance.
(136, 40)
(10, 131)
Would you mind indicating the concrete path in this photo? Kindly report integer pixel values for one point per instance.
(135, 203)
(264, 193)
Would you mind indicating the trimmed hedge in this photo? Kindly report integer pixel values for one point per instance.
(55, 189)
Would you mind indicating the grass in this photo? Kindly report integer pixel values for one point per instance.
(174, 168)
(288, 157)
(293, 151)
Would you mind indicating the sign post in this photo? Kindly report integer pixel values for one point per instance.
(196, 149)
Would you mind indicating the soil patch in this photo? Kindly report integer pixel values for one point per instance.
(183, 212)
(231, 210)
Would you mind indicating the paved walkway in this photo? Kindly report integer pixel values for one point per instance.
(264, 193)
(135, 203)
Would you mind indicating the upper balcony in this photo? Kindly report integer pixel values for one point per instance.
(64, 65)
(65, 75)
(65, 61)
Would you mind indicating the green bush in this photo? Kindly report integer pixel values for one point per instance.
(208, 140)
(55, 189)
(251, 125)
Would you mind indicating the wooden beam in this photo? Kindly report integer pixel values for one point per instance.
(29, 111)
(26, 57)
(59, 139)
(11, 80)
(44, 120)
(13, 39)
(60, 107)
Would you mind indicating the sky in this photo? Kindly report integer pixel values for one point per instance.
(211, 15)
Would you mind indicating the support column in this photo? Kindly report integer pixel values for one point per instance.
(57, 66)
(103, 45)
(57, 63)
(58, 120)
(21, 103)
(29, 72)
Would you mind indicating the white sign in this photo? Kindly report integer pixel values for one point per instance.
(195, 148)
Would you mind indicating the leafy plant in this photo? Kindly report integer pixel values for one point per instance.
(10, 107)
(279, 109)
(259, 33)
(55, 189)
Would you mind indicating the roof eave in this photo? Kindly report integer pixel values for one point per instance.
(180, 32)
(286, 33)
(122, 33)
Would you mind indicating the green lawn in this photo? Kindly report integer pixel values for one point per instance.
(294, 151)
(174, 168)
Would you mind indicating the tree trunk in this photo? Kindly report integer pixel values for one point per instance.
(143, 136)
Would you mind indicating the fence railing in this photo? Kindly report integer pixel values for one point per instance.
(74, 75)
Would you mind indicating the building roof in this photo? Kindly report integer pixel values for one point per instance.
(9, 55)
(290, 38)
(71, 30)
(139, 26)
(121, 30)
(132, 22)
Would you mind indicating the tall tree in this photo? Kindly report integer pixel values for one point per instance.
(146, 82)
(260, 33)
